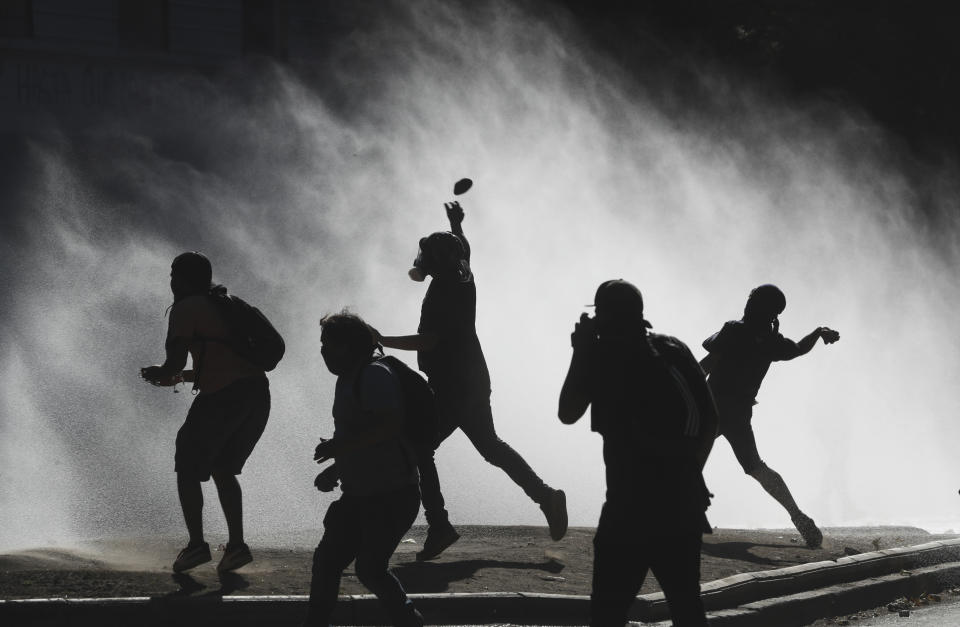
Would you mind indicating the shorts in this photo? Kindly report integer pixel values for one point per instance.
(222, 429)
(735, 416)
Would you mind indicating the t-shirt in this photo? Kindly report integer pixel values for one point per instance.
(198, 317)
(651, 406)
(382, 467)
(744, 355)
(450, 310)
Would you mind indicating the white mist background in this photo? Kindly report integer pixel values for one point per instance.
(305, 207)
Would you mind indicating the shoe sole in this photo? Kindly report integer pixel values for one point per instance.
(556, 537)
(243, 561)
(189, 565)
(815, 532)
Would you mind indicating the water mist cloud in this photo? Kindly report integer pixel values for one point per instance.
(311, 194)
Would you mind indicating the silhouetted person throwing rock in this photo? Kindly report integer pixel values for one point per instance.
(652, 405)
(376, 466)
(230, 411)
(739, 357)
(449, 352)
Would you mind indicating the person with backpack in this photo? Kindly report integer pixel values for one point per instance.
(232, 345)
(375, 465)
(449, 353)
(739, 356)
(653, 408)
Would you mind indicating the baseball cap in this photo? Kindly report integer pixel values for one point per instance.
(619, 294)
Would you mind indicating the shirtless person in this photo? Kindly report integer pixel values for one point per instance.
(226, 418)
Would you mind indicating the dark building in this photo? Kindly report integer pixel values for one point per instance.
(69, 58)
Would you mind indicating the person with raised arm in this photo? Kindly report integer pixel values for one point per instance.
(449, 353)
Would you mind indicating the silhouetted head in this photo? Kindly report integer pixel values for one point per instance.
(443, 255)
(346, 342)
(764, 304)
(619, 310)
(190, 273)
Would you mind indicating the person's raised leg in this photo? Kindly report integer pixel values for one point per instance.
(773, 483)
(744, 445)
(440, 533)
(478, 427)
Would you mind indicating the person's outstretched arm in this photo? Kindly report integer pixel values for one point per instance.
(575, 393)
(415, 342)
(805, 345)
(455, 215)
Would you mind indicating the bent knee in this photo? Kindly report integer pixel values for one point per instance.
(370, 575)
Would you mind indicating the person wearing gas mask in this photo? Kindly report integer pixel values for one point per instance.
(739, 356)
(449, 353)
(651, 404)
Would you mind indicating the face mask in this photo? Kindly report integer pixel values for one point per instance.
(418, 272)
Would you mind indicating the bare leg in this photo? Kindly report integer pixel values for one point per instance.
(191, 501)
(775, 486)
(773, 483)
(231, 500)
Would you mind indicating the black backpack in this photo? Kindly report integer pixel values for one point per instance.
(251, 334)
(421, 421)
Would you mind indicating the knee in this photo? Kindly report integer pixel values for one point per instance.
(325, 560)
(370, 574)
(318, 560)
(760, 471)
(225, 480)
(490, 447)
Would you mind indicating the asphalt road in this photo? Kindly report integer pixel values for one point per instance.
(942, 614)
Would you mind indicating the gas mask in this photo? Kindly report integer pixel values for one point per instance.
(419, 270)
(440, 254)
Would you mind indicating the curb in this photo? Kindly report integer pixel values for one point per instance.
(746, 588)
(787, 596)
(804, 608)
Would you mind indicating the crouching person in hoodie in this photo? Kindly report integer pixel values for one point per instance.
(376, 468)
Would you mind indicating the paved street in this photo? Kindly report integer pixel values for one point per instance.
(942, 614)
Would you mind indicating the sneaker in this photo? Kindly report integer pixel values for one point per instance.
(811, 535)
(234, 556)
(555, 509)
(192, 556)
(439, 537)
(408, 616)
